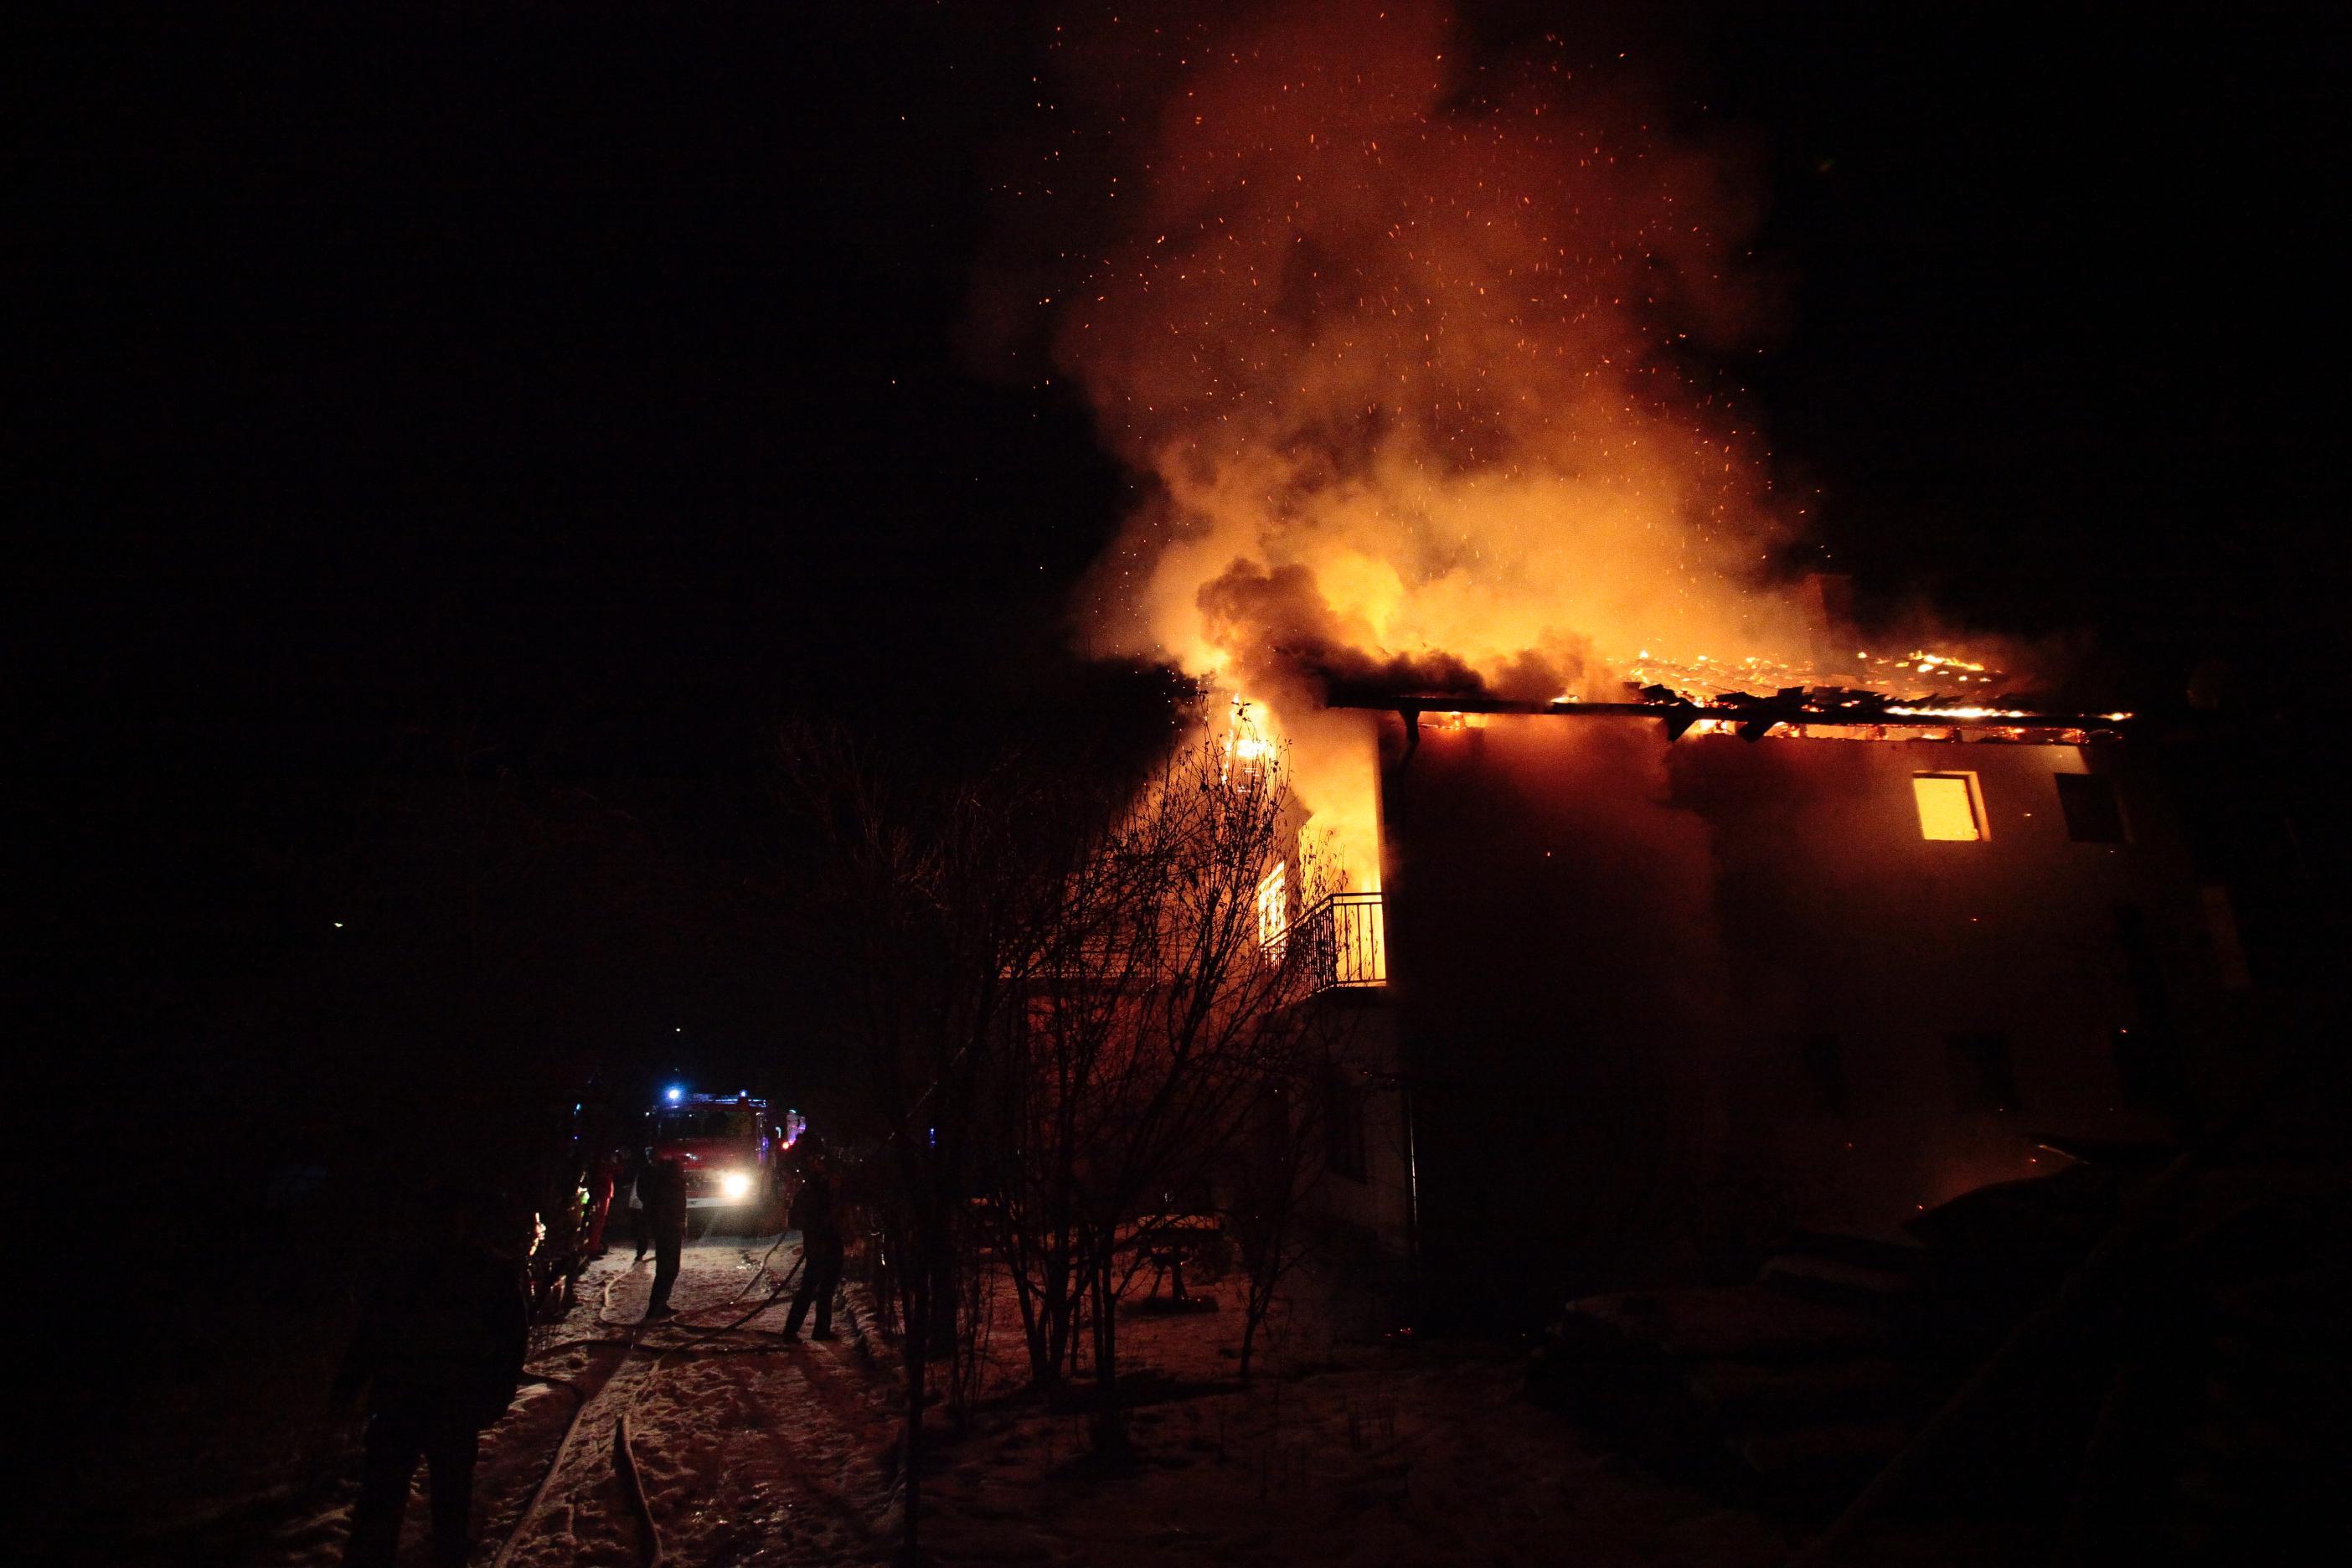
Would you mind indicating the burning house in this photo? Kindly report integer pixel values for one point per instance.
(1416, 359)
(1644, 985)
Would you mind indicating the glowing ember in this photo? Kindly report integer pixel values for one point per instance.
(1910, 710)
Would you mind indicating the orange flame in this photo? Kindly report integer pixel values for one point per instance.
(1409, 354)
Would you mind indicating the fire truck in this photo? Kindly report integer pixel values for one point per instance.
(727, 1144)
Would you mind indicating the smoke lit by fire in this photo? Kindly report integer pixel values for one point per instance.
(1413, 351)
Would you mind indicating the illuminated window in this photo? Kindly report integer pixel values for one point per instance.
(1273, 909)
(1948, 806)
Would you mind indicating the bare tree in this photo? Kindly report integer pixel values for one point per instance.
(1067, 993)
(925, 890)
(1167, 994)
(1279, 1166)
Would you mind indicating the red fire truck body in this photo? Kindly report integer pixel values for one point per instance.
(727, 1144)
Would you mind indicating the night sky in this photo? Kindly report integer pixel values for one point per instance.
(600, 386)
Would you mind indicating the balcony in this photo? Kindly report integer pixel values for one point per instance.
(1347, 940)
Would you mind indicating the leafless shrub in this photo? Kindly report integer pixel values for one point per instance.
(1166, 1005)
(1070, 997)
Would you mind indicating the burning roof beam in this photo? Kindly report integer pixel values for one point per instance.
(1753, 718)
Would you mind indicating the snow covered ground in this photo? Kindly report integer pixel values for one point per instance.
(1380, 1454)
(1384, 1458)
(748, 1450)
(754, 1451)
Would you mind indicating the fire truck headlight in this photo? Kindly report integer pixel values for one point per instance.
(736, 1185)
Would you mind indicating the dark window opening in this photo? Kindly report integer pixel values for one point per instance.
(1343, 1124)
(1983, 1075)
(2093, 815)
(2145, 1072)
(1823, 1057)
(2147, 1054)
(671, 1125)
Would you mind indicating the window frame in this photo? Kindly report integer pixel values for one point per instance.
(1344, 1141)
(2072, 809)
(1977, 816)
(1273, 903)
(1982, 1067)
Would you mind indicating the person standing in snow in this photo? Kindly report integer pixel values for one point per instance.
(812, 1215)
(639, 1231)
(437, 1356)
(663, 1189)
(603, 1172)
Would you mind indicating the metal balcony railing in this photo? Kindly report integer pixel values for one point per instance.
(1347, 940)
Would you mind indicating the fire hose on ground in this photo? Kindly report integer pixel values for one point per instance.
(625, 1462)
(624, 1457)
